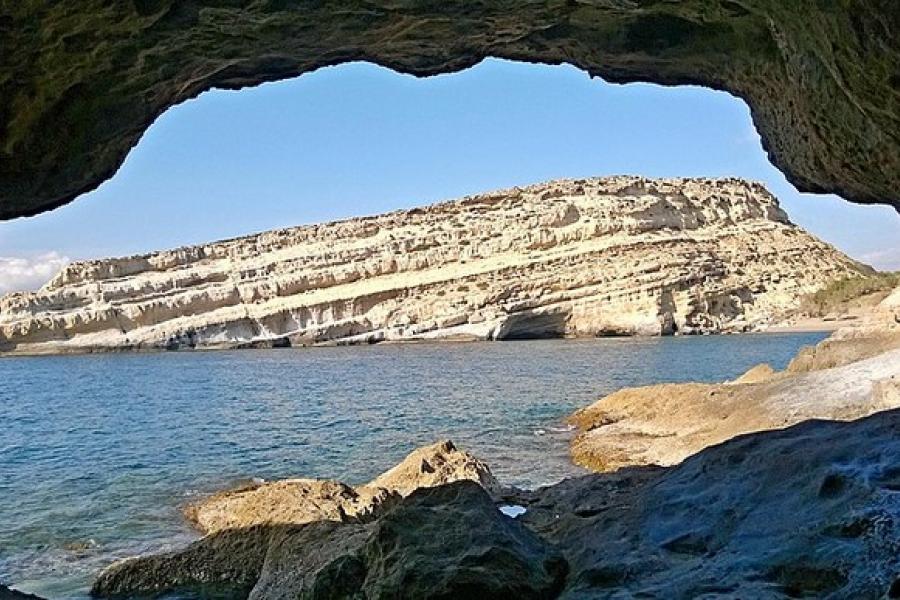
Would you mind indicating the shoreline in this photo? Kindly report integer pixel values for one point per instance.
(811, 325)
(814, 326)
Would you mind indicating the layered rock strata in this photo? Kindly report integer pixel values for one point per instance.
(612, 256)
(821, 79)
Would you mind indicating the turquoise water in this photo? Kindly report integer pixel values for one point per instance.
(98, 452)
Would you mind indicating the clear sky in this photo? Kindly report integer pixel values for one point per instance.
(359, 139)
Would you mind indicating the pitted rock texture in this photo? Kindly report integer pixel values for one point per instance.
(612, 256)
(664, 424)
(812, 511)
(81, 80)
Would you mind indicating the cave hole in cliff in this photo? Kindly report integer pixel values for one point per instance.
(531, 325)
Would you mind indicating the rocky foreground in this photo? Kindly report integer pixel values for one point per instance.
(809, 511)
(613, 256)
(762, 500)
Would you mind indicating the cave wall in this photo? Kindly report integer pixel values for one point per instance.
(81, 80)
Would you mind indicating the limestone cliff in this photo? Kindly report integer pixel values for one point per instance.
(619, 255)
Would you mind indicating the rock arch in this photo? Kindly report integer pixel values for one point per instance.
(81, 80)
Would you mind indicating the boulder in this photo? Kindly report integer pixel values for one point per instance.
(296, 501)
(432, 466)
(441, 543)
(664, 424)
(811, 511)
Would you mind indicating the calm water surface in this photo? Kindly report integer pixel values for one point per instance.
(99, 452)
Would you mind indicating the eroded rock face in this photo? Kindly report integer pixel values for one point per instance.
(664, 424)
(808, 511)
(811, 511)
(81, 80)
(612, 256)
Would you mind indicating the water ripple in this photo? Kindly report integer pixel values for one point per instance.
(100, 452)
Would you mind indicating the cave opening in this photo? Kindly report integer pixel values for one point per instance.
(343, 143)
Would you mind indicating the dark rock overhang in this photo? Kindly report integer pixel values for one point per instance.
(81, 80)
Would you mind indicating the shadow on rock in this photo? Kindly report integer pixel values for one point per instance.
(440, 543)
(810, 511)
(11, 594)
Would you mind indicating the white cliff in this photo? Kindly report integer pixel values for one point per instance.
(609, 256)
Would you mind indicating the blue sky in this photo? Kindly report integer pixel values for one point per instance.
(359, 139)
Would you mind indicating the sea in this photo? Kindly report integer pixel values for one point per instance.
(99, 453)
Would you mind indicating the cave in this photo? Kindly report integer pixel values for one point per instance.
(530, 325)
(821, 81)
(83, 80)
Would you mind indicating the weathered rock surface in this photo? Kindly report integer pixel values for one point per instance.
(812, 511)
(297, 501)
(664, 424)
(619, 255)
(81, 80)
(431, 466)
(847, 376)
(444, 542)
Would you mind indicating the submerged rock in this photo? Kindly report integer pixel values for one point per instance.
(608, 256)
(443, 542)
